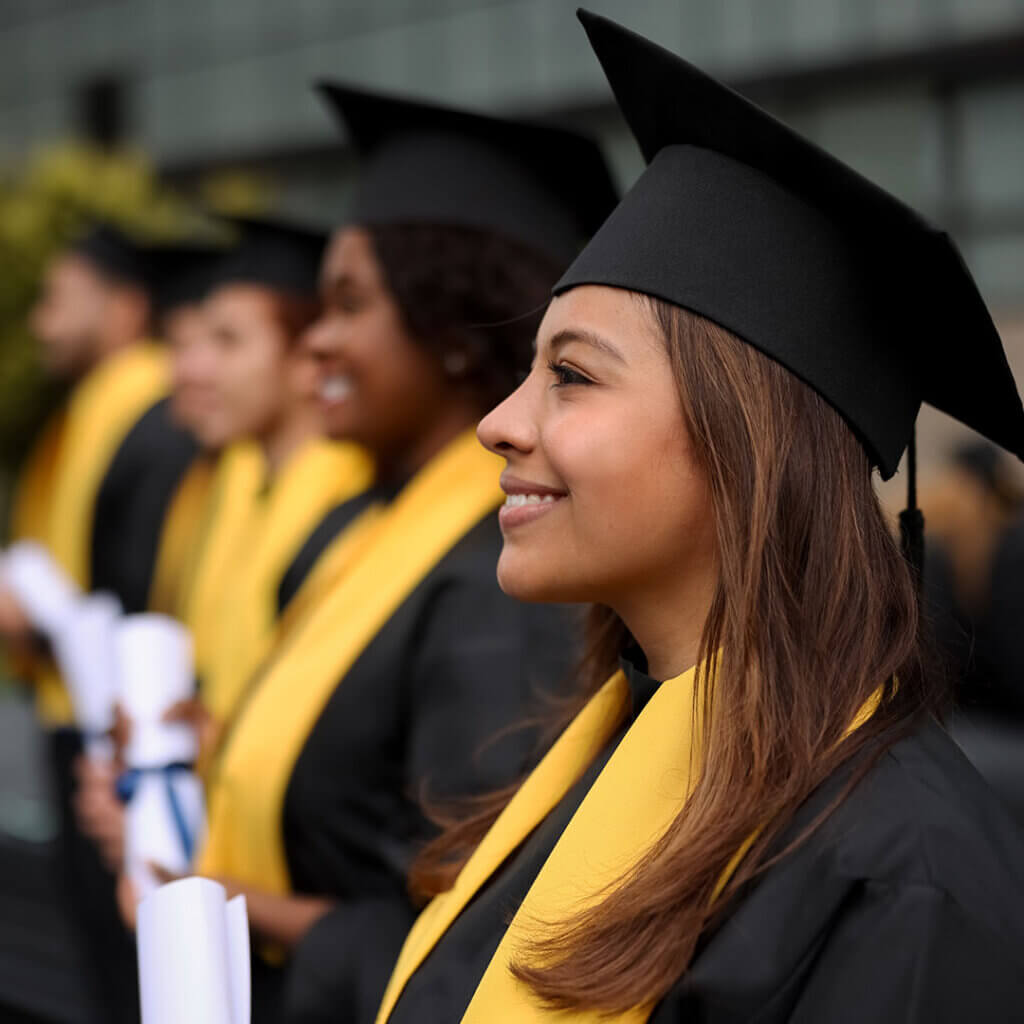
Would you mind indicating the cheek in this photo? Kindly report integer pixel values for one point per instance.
(389, 363)
(638, 507)
(245, 382)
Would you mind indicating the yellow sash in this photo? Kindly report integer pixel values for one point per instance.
(56, 495)
(457, 489)
(575, 749)
(179, 535)
(101, 411)
(629, 807)
(317, 477)
(34, 489)
(237, 478)
(327, 570)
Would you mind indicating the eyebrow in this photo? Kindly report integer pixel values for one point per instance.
(562, 338)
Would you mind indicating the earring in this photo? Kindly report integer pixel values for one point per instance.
(455, 363)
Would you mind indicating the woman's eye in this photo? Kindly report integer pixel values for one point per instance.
(345, 302)
(566, 375)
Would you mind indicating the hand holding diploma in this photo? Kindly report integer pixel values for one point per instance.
(193, 948)
(163, 796)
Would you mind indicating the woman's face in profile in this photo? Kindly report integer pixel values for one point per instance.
(605, 498)
(377, 383)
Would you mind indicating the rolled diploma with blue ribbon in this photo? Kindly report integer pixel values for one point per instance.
(164, 799)
(164, 818)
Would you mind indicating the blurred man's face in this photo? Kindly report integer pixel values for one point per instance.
(69, 317)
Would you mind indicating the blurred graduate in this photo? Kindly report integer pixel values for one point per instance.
(401, 669)
(245, 388)
(756, 816)
(96, 492)
(249, 388)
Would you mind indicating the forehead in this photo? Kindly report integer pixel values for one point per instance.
(620, 316)
(69, 266)
(349, 251)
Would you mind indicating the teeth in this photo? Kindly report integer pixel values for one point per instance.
(336, 389)
(516, 500)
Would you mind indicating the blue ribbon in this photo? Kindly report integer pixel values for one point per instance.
(128, 783)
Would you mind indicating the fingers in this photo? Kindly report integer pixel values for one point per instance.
(121, 733)
(127, 901)
(163, 875)
(183, 711)
(99, 813)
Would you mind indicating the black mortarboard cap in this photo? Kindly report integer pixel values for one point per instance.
(274, 253)
(182, 273)
(544, 186)
(743, 221)
(113, 253)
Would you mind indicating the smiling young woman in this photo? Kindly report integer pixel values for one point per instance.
(756, 815)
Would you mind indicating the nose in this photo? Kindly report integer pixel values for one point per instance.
(320, 340)
(512, 426)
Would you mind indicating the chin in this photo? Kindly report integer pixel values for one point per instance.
(339, 427)
(538, 584)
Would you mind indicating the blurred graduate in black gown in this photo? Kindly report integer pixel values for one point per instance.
(403, 671)
(97, 490)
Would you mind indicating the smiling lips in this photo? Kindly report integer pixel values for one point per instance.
(526, 502)
(336, 388)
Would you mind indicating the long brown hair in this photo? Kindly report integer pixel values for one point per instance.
(815, 611)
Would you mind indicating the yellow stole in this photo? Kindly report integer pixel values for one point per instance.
(34, 488)
(101, 411)
(629, 807)
(238, 475)
(179, 534)
(315, 479)
(449, 496)
(56, 495)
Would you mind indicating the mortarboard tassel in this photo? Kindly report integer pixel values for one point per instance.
(912, 519)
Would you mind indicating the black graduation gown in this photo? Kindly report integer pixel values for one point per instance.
(1001, 634)
(906, 906)
(321, 537)
(386, 738)
(131, 504)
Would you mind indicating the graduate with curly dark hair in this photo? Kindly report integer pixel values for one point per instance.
(400, 665)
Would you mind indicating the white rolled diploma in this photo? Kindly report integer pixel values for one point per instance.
(84, 649)
(155, 670)
(44, 590)
(193, 951)
(152, 833)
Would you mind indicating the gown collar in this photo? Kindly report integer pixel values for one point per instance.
(642, 687)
